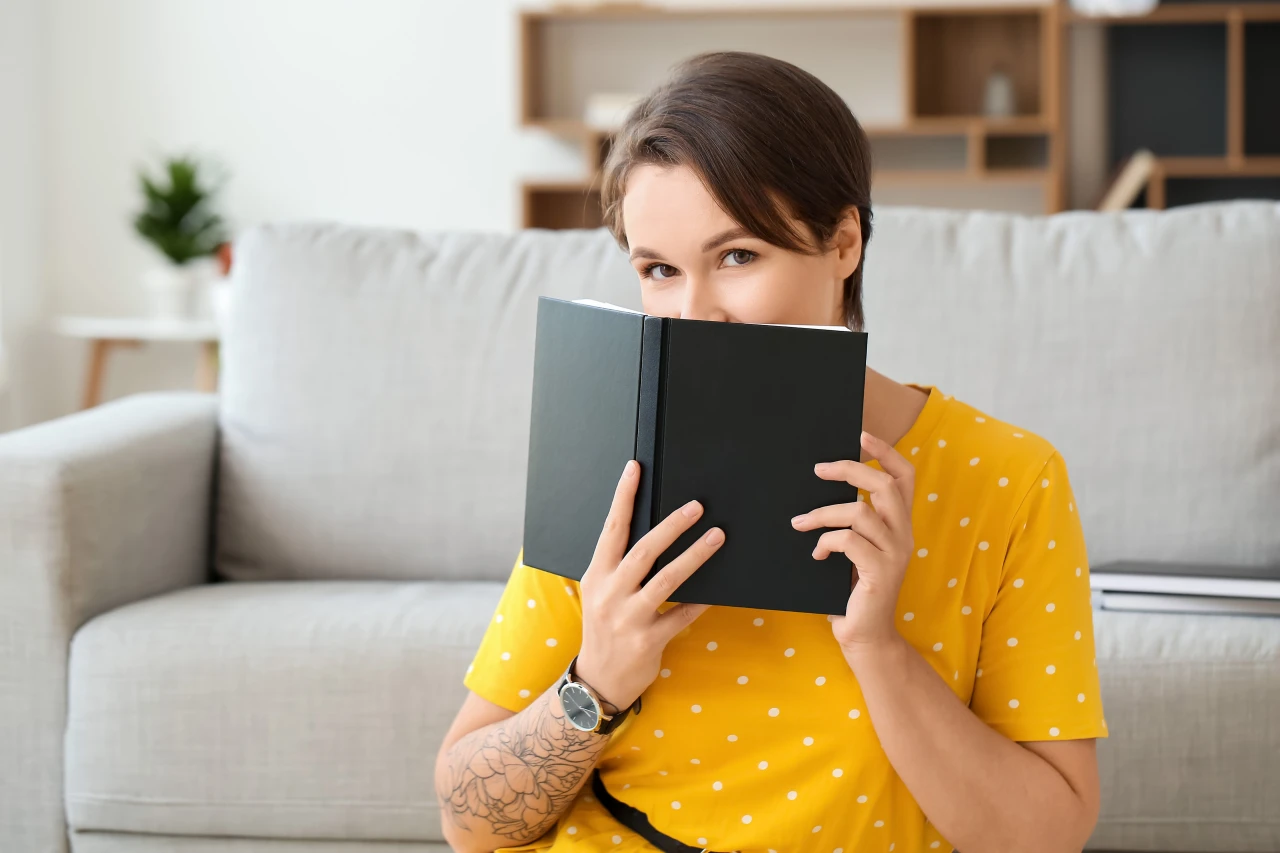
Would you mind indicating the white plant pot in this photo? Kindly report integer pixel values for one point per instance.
(171, 292)
(220, 302)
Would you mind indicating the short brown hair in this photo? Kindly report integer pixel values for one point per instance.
(766, 138)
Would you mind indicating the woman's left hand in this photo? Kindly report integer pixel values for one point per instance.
(876, 536)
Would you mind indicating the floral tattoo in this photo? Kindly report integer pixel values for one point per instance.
(517, 777)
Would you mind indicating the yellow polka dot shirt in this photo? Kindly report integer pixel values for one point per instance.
(756, 737)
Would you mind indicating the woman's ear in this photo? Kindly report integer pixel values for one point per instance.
(847, 243)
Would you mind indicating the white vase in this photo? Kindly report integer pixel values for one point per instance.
(171, 292)
(220, 301)
(998, 99)
(1114, 8)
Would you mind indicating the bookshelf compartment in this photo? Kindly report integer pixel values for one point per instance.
(570, 55)
(1017, 152)
(564, 206)
(956, 54)
(1262, 88)
(1168, 90)
(893, 153)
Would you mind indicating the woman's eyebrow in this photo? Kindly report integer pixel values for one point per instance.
(735, 233)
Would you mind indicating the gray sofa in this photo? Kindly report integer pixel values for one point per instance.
(241, 623)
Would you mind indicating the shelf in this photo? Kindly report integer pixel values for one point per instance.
(915, 73)
(1185, 13)
(648, 11)
(922, 126)
(951, 177)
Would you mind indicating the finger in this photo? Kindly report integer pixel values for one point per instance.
(661, 585)
(894, 463)
(678, 618)
(611, 547)
(859, 516)
(859, 551)
(637, 563)
(879, 484)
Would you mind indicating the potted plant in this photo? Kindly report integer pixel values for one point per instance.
(178, 219)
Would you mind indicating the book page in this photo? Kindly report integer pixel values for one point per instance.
(611, 307)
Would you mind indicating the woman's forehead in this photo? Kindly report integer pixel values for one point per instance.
(670, 204)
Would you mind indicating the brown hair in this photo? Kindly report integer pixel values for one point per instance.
(767, 139)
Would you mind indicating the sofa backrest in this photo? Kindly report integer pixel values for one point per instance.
(376, 392)
(376, 383)
(1145, 346)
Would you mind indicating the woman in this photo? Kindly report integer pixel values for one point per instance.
(956, 701)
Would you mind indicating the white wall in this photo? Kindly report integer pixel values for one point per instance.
(384, 112)
(23, 42)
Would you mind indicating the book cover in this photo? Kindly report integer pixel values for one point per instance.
(734, 415)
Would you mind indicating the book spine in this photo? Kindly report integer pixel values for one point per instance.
(648, 450)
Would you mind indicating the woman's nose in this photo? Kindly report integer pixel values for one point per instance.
(699, 304)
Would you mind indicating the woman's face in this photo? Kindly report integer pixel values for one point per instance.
(696, 263)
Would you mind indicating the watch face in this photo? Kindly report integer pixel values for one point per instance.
(579, 707)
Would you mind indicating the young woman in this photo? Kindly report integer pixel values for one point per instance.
(956, 701)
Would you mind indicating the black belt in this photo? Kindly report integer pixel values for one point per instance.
(636, 821)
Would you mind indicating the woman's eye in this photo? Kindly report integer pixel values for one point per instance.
(739, 257)
(660, 272)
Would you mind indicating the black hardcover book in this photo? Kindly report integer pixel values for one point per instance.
(731, 414)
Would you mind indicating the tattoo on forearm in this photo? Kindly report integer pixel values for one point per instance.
(517, 777)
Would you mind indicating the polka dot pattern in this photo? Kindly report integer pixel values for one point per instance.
(1006, 638)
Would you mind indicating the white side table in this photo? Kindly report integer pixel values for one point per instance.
(107, 333)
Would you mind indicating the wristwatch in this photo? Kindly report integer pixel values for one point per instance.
(583, 706)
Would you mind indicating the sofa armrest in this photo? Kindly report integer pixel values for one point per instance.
(96, 510)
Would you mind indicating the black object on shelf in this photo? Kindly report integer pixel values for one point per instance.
(1168, 90)
(1262, 88)
(1179, 191)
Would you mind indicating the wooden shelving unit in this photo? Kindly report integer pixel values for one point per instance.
(936, 136)
(1198, 84)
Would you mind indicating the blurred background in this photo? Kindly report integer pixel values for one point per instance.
(494, 115)
(378, 192)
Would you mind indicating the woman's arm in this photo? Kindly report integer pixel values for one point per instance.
(983, 792)
(504, 779)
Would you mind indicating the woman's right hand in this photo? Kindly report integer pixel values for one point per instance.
(623, 634)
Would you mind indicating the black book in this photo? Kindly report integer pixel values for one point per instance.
(731, 414)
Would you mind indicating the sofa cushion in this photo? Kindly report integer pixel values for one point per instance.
(376, 393)
(1144, 346)
(1193, 757)
(276, 710)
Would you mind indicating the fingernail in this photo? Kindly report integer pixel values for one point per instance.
(691, 509)
(715, 536)
(629, 469)
(799, 519)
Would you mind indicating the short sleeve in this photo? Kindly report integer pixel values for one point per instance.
(534, 633)
(1037, 676)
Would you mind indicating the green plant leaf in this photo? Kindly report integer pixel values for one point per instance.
(177, 216)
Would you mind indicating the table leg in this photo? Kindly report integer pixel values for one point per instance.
(98, 351)
(207, 368)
